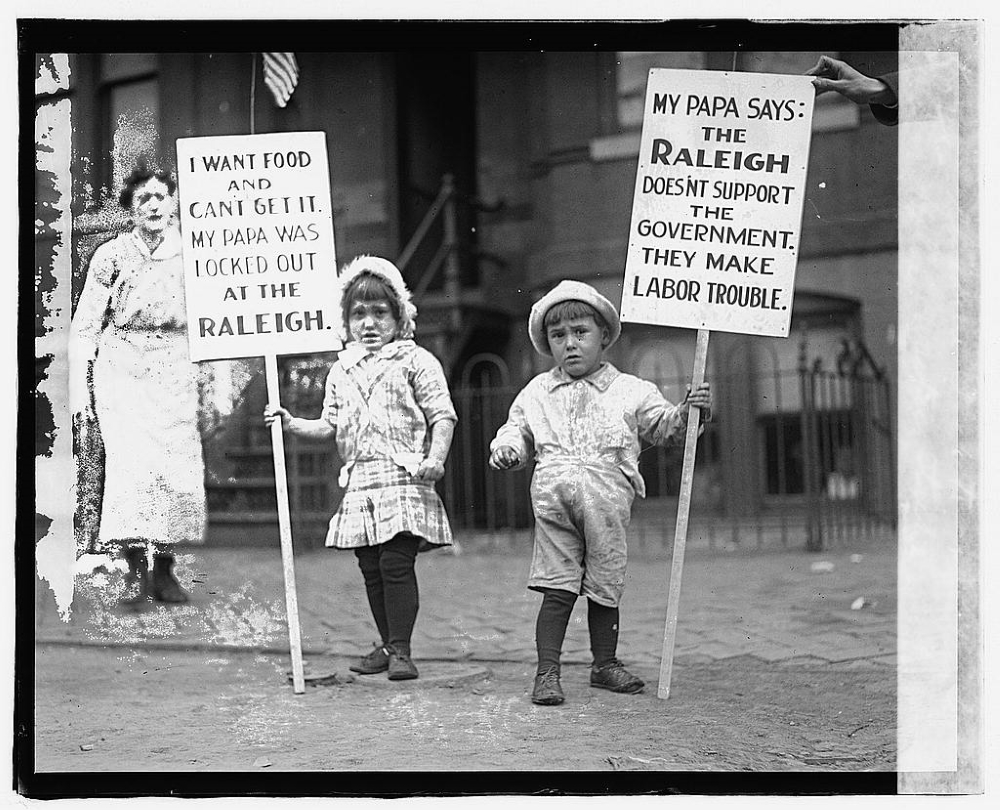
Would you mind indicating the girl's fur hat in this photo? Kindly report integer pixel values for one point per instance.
(386, 271)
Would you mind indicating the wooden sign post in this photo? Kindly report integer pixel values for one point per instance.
(285, 526)
(681, 526)
(714, 236)
(260, 274)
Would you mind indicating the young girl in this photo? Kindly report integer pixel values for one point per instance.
(388, 405)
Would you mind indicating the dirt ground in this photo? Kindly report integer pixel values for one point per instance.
(100, 709)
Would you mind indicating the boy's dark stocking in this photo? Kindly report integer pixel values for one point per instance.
(368, 562)
(602, 622)
(550, 628)
(399, 584)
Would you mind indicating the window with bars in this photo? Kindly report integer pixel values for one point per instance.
(785, 393)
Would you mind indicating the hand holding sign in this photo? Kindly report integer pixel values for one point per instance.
(279, 414)
(700, 397)
(833, 75)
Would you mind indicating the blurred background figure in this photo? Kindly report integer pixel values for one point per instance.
(132, 383)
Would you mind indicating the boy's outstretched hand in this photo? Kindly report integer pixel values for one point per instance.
(701, 398)
(503, 458)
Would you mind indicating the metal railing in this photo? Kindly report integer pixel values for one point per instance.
(446, 255)
(849, 459)
(821, 471)
(819, 476)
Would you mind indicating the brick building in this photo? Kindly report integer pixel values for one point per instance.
(513, 150)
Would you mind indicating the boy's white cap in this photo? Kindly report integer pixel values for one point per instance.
(389, 273)
(570, 291)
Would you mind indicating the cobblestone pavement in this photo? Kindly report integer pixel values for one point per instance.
(785, 607)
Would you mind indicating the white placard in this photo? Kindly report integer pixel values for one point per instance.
(717, 211)
(260, 269)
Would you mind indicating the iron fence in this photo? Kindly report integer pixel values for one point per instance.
(793, 457)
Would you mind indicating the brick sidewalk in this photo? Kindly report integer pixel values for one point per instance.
(474, 606)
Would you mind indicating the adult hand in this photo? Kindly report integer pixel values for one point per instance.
(503, 458)
(430, 470)
(833, 75)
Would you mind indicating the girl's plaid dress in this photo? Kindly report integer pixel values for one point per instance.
(383, 406)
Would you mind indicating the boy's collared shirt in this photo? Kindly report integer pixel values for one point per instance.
(597, 420)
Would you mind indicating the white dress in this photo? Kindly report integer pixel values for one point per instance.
(145, 390)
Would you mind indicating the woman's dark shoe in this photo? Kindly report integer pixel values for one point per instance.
(137, 578)
(401, 668)
(164, 585)
(376, 661)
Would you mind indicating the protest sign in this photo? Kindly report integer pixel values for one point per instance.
(260, 268)
(260, 273)
(717, 209)
(714, 236)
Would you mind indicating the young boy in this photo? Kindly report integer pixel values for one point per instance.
(584, 420)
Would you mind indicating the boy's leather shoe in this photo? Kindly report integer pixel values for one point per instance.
(615, 677)
(548, 691)
(376, 661)
(401, 668)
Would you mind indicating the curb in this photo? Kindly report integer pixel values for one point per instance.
(433, 674)
(880, 661)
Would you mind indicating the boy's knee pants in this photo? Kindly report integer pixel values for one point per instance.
(581, 518)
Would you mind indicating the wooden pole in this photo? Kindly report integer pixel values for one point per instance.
(680, 531)
(285, 526)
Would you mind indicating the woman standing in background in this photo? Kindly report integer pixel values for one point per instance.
(130, 327)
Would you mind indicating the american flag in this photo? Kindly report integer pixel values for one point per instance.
(281, 74)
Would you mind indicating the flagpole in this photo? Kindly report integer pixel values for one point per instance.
(253, 89)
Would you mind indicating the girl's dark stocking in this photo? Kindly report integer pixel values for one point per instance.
(368, 562)
(399, 584)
